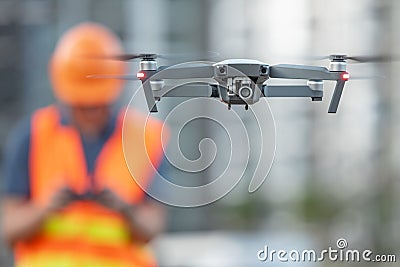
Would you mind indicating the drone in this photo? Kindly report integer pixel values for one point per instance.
(240, 81)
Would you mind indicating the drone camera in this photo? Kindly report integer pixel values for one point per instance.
(245, 92)
(241, 86)
(241, 90)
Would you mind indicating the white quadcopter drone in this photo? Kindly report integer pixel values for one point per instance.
(240, 81)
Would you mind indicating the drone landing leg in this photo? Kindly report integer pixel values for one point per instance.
(336, 97)
(148, 93)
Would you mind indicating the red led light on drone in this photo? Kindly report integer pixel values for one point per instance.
(345, 76)
(140, 75)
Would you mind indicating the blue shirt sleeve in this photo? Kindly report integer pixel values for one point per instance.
(16, 161)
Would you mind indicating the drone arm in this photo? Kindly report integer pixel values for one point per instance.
(291, 91)
(188, 90)
(287, 71)
(312, 73)
(184, 72)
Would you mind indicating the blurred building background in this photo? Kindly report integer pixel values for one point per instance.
(334, 176)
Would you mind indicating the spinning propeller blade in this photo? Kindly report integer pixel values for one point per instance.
(169, 56)
(119, 77)
(361, 58)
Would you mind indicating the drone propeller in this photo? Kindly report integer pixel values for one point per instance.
(361, 58)
(153, 56)
(127, 57)
(374, 59)
(372, 77)
(118, 77)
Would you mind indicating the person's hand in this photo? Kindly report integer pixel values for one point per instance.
(145, 220)
(60, 199)
(110, 200)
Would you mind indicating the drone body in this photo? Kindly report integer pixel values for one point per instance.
(241, 81)
(237, 81)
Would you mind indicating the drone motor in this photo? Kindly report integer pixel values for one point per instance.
(338, 63)
(148, 64)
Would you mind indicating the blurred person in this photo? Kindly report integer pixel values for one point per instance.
(70, 199)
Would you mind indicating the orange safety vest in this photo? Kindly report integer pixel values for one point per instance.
(85, 233)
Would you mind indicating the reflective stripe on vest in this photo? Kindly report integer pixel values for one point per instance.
(85, 233)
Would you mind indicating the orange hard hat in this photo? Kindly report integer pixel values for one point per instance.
(82, 51)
